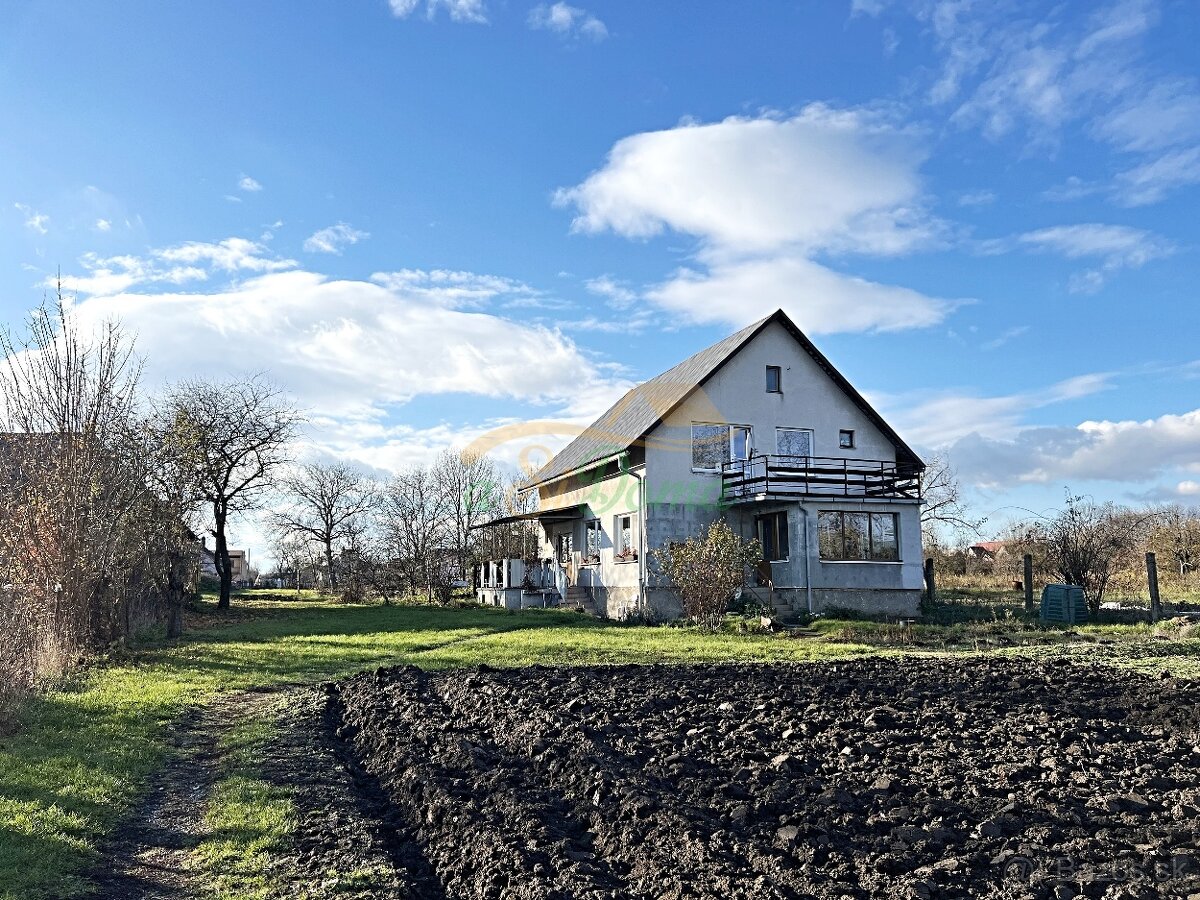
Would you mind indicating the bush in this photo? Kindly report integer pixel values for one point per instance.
(706, 571)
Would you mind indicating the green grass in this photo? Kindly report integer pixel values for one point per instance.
(247, 819)
(83, 751)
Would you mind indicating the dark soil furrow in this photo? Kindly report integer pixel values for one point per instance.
(874, 778)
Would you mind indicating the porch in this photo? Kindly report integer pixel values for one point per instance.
(763, 477)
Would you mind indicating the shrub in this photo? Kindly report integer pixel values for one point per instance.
(706, 571)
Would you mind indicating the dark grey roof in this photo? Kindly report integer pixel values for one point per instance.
(644, 406)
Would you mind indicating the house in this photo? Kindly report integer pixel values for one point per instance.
(238, 564)
(759, 428)
(988, 550)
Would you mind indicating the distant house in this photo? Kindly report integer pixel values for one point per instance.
(239, 565)
(988, 550)
(759, 428)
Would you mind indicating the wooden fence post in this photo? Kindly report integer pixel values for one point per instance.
(1028, 575)
(1152, 579)
(930, 581)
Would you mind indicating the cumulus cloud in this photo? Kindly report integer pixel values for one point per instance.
(469, 11)
(34, 221)
(763, 197)
(349, 349)
(334, 239)
(103, 225)
(568, 21)
(1128, 451)
(248, 184)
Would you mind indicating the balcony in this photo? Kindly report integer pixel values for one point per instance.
(773, 477)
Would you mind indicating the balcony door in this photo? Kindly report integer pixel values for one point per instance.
(794, 441)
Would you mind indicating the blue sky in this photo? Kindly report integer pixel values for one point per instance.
(429, 217)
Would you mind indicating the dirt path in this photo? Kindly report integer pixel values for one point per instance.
(148, 856)
(344, 840)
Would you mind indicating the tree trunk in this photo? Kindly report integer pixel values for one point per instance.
(329, 562)
(224, 566)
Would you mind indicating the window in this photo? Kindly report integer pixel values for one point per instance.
(773, 534)
(715, 445)
(774, 380)
(846, 439)
(566, 543)
(793, 441)
(857, 536)
(595, 540)
(626, 549)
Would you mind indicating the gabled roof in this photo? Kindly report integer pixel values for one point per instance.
(642, 408)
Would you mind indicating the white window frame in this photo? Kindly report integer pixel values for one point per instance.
(812, 439)
(633, 539)
(729, 457)
(588, 526)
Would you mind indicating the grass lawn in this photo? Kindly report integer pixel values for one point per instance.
(82, 751)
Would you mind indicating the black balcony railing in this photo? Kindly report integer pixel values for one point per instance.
(827, 476)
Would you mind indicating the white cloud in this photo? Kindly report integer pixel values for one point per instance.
(754, 184)
(103, 225)
(1119, 451)
(454, 290)
(1152, 181)
(1117, 247)
(246, 183)
(34, 221)
(567, 20)
(471, 11)
(764, 196)
(349, 349)
(334, 238)
(618, 294)
(179, 264)
(947, 417)
(820, 300)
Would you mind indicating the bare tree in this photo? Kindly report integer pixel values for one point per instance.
(473, 493)
(414, 529)
(1091, 543)
(943, 500)
(1175, 536)
(518, 539)
(73, 489)
(242, 430)
(325, 502)
(171, 519)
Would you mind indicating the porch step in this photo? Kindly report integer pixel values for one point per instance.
(578, 598)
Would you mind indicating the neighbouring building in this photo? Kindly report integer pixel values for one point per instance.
(760, 429)
(238, 562)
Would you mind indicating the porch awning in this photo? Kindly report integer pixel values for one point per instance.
(564, 514)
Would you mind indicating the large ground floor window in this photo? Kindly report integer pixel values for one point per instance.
(846, 536)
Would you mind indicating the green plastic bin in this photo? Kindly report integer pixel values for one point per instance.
(1064, 603)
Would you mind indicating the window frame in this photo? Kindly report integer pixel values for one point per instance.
(590, 525)
(760, 522)
(729, 457)
(812, 441)
(562, 537)
(778, 370)
(620, 554)
(870, 558)
(843, 434)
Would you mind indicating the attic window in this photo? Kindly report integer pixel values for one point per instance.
(846, 439)
(774, 380)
